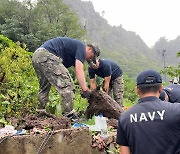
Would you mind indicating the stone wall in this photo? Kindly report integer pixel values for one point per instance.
(67, 141)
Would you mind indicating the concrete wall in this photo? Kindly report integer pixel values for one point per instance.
(68, 141)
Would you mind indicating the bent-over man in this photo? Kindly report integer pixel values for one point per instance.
(113, 80)
(51, 61)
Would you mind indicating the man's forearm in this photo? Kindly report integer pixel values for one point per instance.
(106, 83)
(81, 80)
(124, 150)
(93, 84)
(80, 75)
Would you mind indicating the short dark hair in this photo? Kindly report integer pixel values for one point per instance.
(95, 49)
(146, 88)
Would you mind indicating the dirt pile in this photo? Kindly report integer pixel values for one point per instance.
(100, 102)
(42, 120)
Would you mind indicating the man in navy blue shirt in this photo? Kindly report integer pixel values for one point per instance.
(171, 93)
(151, 126)
(112, 75)
(51, 61)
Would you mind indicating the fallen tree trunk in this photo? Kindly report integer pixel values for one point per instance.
(101, 102)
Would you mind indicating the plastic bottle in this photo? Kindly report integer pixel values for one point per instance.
(101, 124)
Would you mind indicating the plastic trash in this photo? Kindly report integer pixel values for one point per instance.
(21, 132)
(93, 128)
(8, 130)
(101, 125)
(78, 125)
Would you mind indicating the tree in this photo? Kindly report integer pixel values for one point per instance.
(173, 71)
(39, 22)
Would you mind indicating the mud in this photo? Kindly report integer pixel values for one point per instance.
(41, 121)
(100, 102)
(113, 123)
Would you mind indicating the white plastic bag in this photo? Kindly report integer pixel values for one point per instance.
(101, 125)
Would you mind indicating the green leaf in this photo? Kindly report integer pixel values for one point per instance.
(5, 102)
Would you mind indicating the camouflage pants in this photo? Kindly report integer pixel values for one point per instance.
(51, 72)
(116, 90)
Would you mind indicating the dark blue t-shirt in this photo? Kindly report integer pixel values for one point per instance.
(152, 126)
(106, 68)
(173, 92)
(67, 48)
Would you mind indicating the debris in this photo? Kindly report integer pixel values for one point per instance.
(41, 121)
(113, 123)
(101, 102)
(101, 124)
(7, 130)
(98, 142)
(78, 125)
(21, 132)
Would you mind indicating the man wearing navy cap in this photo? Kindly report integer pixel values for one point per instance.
(151, 126)
(171, 93)
(113, 80)
(51, 61)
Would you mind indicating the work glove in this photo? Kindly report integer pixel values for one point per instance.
(86, 94)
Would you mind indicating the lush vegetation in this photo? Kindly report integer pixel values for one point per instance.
(173, 71)
(29, 28)
(18, 84)
(38, 22)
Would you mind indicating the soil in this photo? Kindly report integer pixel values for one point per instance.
(113, 123)
(41, 121)
(101, 102)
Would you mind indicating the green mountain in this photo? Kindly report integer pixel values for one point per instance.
(124, 47)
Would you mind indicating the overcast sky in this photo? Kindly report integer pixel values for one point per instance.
(150, 19)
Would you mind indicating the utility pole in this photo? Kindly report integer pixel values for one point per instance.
(163, 53)
(85, 24)
(85, 28)
(164, 57)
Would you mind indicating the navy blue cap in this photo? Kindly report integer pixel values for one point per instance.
(148, 77)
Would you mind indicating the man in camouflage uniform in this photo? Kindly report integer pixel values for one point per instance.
(51, 61)
(113, 80)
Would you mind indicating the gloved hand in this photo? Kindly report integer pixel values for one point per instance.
(86, 94)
